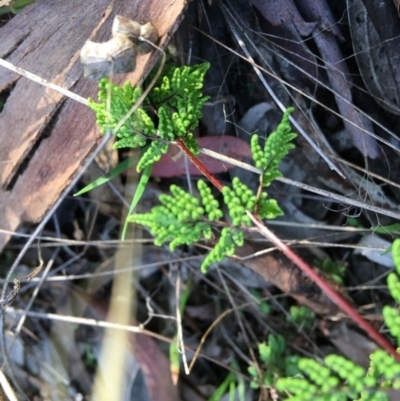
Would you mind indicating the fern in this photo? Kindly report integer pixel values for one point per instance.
(139, 124)
(178, 222)
(183, 219)
(302, 316)
(276, 148)
(177, 99)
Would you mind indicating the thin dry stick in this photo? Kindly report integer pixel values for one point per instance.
(8, 390)
(132, 329)
(43, 82)
(181, 344)
(373, 175)
(204, 337)
(240, 322)
(36, 271)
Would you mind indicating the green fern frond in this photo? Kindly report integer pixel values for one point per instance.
(152, 154)
(340, 379)
(240, 198)
(178, 99)
(393, 278)
(385, 367)
(273, 362)
(178, 219)
(337, 379)
(396, 254)
(210, 204)
(391, 317)
(182, 219)
(390, 314)
(130, 142)
(224, 247)
(115, 103)
(268, 208)
(178, 82)
(276, 147)
(180, 95)
(302, 316)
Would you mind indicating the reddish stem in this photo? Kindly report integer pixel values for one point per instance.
(198, 164)
(303, 266)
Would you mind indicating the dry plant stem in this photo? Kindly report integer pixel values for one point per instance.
(330, 292)
(181, 344)
(133, 329)
(8, 390)
(303, 266)
(43, 82)
(205, 335)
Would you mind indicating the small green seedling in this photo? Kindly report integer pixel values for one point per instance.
(274, 362)
(302, 316)
(335, 269)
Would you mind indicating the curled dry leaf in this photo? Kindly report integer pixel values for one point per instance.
(99, 60)
(135, 31)
(124, 26)
(118, 55)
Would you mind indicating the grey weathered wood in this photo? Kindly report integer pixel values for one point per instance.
(45, 39)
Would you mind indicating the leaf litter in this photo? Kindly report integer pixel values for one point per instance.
(309, 48)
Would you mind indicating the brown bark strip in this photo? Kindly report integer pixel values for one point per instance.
(45, 39)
